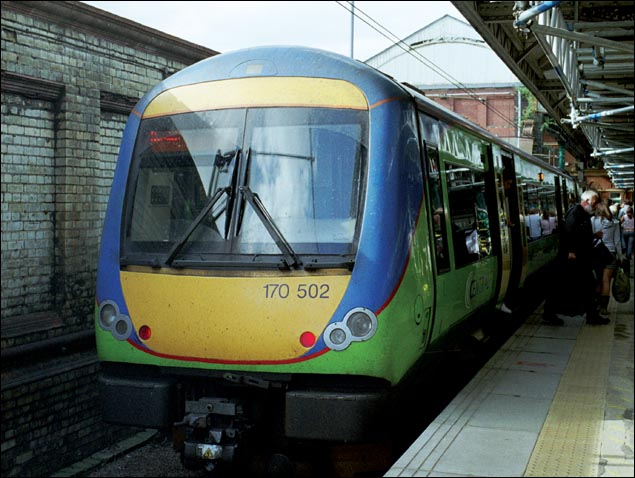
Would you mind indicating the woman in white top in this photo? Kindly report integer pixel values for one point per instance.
(546, 224)
(607, 229)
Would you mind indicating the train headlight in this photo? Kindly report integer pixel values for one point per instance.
(107, 314)
(112, 320)
(122, 328)
(337, 336)
(358, 325)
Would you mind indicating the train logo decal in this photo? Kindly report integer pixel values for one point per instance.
(475, 285)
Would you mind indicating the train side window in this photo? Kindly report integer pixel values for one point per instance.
(471, 234)
(436, 209)
(540, 209)
(429, 128)
(550, 208)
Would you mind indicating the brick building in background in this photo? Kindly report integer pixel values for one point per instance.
(70, 76)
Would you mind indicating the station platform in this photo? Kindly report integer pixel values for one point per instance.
(553, 401)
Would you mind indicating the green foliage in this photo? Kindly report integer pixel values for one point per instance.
(531, 106)
(549, 123)
(530, 103)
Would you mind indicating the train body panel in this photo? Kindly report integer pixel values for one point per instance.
(295, 221)
(462, 293)
(278, 319)
(470, 283)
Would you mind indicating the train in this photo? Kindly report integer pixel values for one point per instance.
(290, 236)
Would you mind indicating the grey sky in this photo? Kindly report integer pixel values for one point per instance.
(226, 26)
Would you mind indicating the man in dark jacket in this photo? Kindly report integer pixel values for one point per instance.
(575, 264)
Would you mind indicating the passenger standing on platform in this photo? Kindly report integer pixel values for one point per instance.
(623, 208)
(575, 265)
(625, 205)
(628, 234)
(606, 228)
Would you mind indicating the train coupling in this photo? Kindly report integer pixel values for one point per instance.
(210, 432)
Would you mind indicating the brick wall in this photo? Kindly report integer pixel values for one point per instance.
(494, 109)
(28, 192)
(51, 416)
(70, 76)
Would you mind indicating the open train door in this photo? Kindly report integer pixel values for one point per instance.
(514, 225)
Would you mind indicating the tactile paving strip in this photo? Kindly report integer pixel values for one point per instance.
(568, 444)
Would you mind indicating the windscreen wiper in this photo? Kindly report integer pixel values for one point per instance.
(290, 257)
(178, 245)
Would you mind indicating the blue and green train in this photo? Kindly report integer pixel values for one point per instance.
(290, 233)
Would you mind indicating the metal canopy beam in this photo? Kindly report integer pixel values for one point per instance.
(581, 37)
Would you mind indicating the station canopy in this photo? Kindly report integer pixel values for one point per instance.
(577, 59)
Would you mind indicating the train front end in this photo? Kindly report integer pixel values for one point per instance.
(231, 288)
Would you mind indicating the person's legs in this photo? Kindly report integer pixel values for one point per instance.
(605, 292)
(587, 282)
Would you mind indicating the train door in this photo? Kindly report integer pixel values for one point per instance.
(429, 132)
(559, 201)
(515, 226)
(437, 209)
(440, 248)
(461, 242)
(501, 239)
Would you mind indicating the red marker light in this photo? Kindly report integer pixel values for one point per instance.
(145, 332)
(307, 339)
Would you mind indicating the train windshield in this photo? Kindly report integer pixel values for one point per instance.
(247, 187)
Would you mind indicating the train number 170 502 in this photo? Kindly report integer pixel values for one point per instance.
(302, 291)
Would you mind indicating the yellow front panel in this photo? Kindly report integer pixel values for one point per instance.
(231, 318)
(261, 91)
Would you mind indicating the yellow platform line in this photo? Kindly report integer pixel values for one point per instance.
(569, 443)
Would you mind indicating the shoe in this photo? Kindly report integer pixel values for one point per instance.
(597, 320)
(552, 320)
(505, 309)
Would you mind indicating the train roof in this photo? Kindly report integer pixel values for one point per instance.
(441, 112)
(283, 61)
